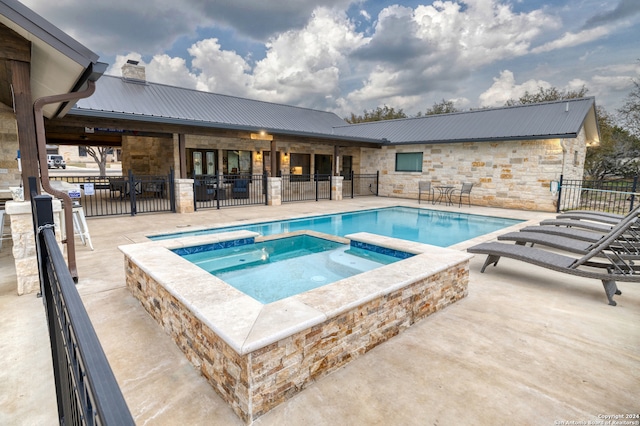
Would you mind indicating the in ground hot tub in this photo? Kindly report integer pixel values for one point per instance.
(257, 355)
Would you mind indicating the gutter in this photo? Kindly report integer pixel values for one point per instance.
(41, 141)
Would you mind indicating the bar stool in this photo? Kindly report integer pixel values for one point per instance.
(80, 224)
(80, 227)
(2, 233)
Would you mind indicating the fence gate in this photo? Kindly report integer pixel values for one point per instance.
(359, 185)
(306, 187)
(119, 195)
(615, 196)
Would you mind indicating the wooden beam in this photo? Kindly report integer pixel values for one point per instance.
(182, 148)
(21, 82)
(14, 47)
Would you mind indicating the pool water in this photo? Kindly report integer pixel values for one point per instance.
(420, 225)
(280, 268)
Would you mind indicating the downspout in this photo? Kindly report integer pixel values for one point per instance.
(41, 141)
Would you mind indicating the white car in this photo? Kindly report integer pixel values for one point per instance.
(56, 161)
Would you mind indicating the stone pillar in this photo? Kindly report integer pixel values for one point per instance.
(24, 245)
(274, 188)
(336, 187)
(184, 195)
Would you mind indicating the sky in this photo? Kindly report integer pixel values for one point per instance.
(347, 56)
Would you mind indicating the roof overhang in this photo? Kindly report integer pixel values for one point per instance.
(591, 128)
(59, 64)
(124, 118)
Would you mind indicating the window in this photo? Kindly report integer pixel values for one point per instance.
(82, 151)
(409, 162)
(237, 162)
(347, 166)
(300, 165)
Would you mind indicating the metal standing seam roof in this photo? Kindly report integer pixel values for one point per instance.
(116, 97)
(119, 98)
(557, 119)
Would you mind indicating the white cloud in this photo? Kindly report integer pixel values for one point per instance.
(504, 88)
(304, 66)
(573, 39)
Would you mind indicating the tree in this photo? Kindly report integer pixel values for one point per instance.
(378, 114)
(546, 95)
(618, 153)
(443, 107)
(630, 111)
(99, 155)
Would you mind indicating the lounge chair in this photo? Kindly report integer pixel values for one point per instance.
(611, 259)
(577, 234)
(590, 216)
(583, 224)
(594, 212)
(568, 224)
(425, 186)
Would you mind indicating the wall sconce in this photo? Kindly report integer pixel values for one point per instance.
(259, 155)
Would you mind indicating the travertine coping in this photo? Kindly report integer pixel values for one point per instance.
(246, 324)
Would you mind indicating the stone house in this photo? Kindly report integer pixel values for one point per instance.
(510, 154)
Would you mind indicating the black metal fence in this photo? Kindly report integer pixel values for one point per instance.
(86, 390)
(216, 191)
(359, 185)
(119, 195)
(306, 187)
(615, 196)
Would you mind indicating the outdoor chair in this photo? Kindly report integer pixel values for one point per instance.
(240, 188)
(612, 258)
(425, 186)
(465, 191)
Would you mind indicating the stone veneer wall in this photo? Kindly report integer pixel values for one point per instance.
(9, 173)
(258, 381)
(147, 155)
(508, 174)
(24, 245)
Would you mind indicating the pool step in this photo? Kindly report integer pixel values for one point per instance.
(234, 260)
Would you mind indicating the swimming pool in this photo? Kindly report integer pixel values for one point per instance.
(279, 268)
(433, 227)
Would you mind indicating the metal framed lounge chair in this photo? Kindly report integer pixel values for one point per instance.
(583, 224)
(425, 186)
(570, 226)
(592, 212)
(570, 244)
(611, 259)
(578, 234)
(590, 216)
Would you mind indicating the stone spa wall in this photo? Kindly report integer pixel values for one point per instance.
(264, 374)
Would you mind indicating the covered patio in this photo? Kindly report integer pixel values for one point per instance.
(526, 346)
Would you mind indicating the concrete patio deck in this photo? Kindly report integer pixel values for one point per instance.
(527, 346)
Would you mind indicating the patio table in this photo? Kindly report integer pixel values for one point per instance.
(444, 194)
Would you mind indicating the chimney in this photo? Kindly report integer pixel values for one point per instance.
(133, 72)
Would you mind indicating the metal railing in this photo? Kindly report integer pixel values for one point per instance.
(86, 390)
(306, 187)
(615, 196)
(359, 185)
(216, 191)
(119, 195)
